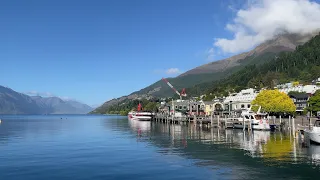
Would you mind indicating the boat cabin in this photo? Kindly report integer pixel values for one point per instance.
(317, 123)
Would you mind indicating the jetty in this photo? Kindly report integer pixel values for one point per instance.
(294, 124)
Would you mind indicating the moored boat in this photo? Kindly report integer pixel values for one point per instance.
(258, 121)
(140, 115)
(313, 135)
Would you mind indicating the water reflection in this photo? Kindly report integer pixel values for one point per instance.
(273, 148)
(314, 154)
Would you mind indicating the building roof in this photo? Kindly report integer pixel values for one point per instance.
(300, 96)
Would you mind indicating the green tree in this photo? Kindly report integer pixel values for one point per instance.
(274, 101)
(314, 102)
(151, 106)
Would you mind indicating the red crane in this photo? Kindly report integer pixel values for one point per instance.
(183, 92)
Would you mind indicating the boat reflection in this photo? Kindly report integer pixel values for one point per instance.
(314, 154)
(140, 125)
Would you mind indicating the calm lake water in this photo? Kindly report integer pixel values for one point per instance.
(111, 147)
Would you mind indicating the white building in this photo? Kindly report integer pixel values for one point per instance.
(241, 100)
(309, 89)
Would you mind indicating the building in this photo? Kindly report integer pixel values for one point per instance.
(212, 107)
(186, 106)
(207, 106)
(309, 89)
(195, 108)
(241, 100)
(301, 101)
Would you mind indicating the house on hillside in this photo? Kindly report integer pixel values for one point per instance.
(301, 101)
(309, 89)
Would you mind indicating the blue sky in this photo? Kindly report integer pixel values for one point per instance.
(97, 50)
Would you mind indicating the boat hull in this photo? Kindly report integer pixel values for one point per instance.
(312, 137)
(255, 125)
(140, 116)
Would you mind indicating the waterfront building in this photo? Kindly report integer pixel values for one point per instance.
(241, 100)
(207, 106)
(300, 100)
(185, 106)
(212, 107)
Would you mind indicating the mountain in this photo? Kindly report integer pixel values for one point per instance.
(280, 43)
(80, 107)
(302, 65)
(12, 102)
(217, 70)
(55, 105)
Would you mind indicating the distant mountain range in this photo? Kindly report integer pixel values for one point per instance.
(12, 102)
(217, 70)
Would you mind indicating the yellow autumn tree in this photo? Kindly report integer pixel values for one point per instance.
(295, 83)
(274, 101)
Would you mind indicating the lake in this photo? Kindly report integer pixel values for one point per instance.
(111, 147)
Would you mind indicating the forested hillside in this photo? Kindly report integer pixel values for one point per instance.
(127, 105)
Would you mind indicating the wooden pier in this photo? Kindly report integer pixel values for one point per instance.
(216, 121)
(207, 121)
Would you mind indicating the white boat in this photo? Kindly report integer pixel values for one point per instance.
(259, 121)
(140, 116)
(313, 135)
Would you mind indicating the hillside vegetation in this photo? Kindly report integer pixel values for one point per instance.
(127, 105)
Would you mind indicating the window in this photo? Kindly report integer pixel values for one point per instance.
(249, 106)
(242, 105)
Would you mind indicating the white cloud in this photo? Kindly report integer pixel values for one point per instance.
(262, 20)
(172, 71)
